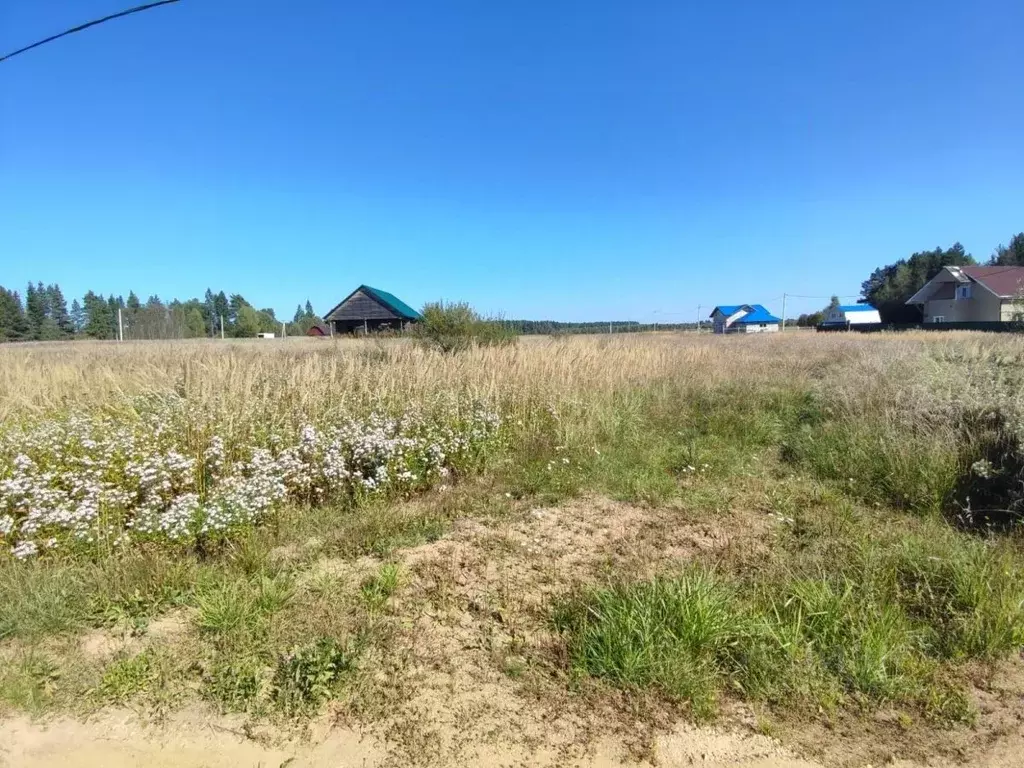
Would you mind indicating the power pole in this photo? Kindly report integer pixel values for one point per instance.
(783, 311)
(120, 326)
(222, 326)
(283, 332)
(698, 317)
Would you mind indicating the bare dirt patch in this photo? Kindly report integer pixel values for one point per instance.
(191, 739)
(470, 673)
(102, 644)
(474, 668)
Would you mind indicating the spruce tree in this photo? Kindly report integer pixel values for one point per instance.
(97, 316)
(35, 311)
(13, 323)
(58, 318)
(77, 317)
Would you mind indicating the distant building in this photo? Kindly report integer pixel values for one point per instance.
(744, 318)
(852, 314)
(370, 309)
(264, 335)
(318, 329)
(972, 294)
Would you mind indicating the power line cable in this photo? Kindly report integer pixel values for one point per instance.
(80, 27)
(797, 296)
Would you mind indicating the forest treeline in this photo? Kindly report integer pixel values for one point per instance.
(44, 315)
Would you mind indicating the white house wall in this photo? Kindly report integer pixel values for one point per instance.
(860, 317)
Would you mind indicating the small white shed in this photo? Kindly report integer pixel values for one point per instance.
(852, 314)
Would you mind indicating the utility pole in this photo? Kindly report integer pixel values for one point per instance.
(609, 329)
(783, 311)
(284, 334)
(120, 326)
(698, 317)
(222, 326)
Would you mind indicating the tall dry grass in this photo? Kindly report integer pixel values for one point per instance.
(262, 377)
(899, 421)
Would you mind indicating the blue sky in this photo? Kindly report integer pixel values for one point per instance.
(555, 159)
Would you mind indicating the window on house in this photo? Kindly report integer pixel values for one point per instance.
(963, 291)
(938, 318)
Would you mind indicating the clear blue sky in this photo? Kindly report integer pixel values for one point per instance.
(542, 159)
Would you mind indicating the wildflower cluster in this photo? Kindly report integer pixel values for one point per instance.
(172, 475)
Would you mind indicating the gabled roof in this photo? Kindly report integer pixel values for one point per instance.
(758, 315)
(755, 313)
(1004, 282)
(856, 308)
(729, 309)
(389, 300)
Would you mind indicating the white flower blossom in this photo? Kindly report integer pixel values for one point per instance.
(90, 479)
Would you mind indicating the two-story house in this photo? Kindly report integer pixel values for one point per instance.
(972, 294)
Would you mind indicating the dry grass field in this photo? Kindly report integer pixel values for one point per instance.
(790, 550)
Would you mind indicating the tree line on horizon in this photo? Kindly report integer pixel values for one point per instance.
(44, 315)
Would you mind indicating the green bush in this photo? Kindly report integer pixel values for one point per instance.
(455, 327)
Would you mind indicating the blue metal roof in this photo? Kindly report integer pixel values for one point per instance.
(759, 315)
(729, 309)
(756, 313)
(856, 308)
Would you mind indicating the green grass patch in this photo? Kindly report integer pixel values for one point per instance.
(29, 681)
(674, 634)
(377, 589)
(850, 609)
(127, 677)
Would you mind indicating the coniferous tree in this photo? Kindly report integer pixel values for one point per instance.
(77, 316)
(57, 324)
(13, 323)
(35, 311)
(1011, 255)
(98, 320)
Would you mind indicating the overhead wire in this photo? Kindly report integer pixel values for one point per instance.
(80, 27)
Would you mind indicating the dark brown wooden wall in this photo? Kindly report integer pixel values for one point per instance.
(362, 307)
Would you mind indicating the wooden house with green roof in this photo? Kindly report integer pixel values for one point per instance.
(370, 309)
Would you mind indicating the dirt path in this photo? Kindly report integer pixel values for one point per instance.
(120, 740)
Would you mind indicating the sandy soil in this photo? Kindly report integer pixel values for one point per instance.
(470, 680)
(120, 740)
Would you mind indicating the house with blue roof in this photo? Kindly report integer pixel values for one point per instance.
(370, 309)
(851, 314)
(744, 318)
